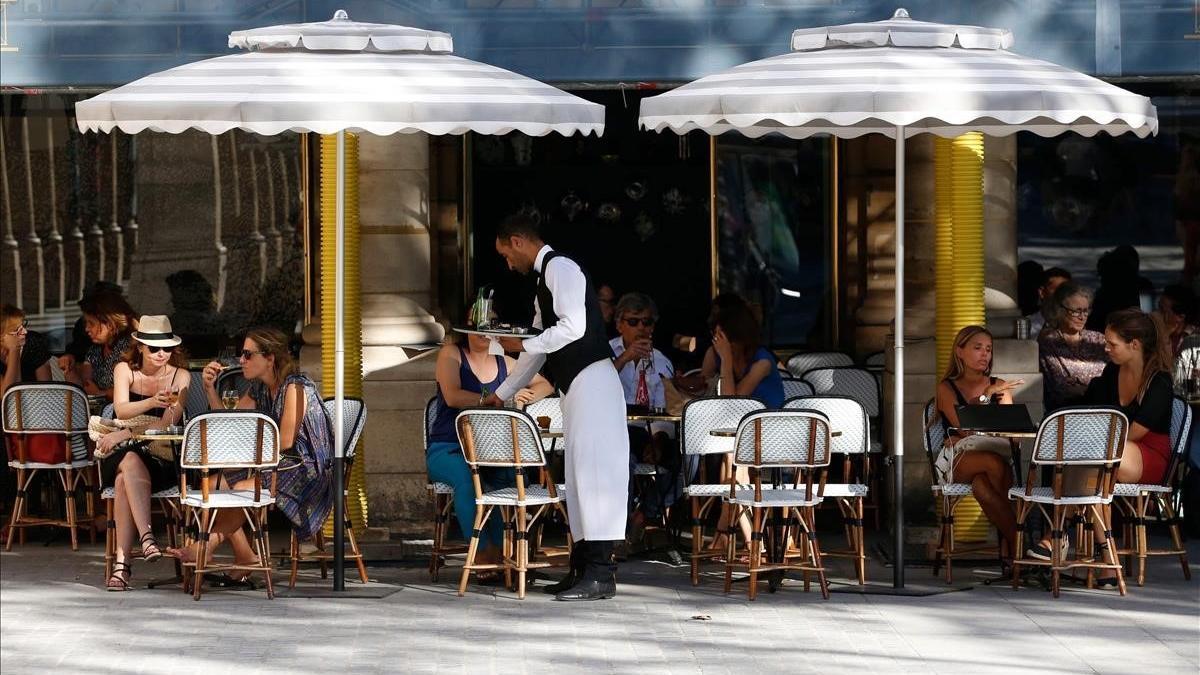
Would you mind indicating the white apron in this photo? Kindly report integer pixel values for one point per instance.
(597, 454)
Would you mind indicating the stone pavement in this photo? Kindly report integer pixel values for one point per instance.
(55, 616)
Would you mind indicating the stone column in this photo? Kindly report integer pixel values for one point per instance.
(397, 289)
(1000, 234)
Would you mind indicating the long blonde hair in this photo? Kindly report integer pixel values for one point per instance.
(955, 368)
(1134, 324)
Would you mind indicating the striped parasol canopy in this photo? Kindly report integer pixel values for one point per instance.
(864, 78)
(340, 75)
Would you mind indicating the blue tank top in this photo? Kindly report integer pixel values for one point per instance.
(770, 389)
(442, 428)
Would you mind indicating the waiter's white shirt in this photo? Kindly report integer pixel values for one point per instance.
(660, 367)
(568, 286)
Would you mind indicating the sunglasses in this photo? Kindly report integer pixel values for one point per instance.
(24, 324)
(634, 323)
(1077, 313)
(247, 354)
(155, 350)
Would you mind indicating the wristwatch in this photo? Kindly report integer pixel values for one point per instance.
(983, 398)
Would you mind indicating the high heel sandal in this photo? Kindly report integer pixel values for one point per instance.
(116, 582)
(150, 549)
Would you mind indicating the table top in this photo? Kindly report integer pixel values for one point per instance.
(551, 433)
(731, 433)
(1000, 434)
(496, 333)
(173, 438)
(653, 417)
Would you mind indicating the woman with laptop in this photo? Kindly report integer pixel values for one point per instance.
(984, 462)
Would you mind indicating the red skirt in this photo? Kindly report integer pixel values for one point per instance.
(1156, 456)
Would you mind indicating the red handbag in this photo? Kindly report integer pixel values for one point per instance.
(39, 448)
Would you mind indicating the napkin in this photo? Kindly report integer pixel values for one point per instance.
(494, 347)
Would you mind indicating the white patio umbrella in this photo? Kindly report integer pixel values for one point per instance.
(899, 78)
(332, 77)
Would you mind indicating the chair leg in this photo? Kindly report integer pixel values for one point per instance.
(201, 554)
(697, 540)
(294, 548)
(810, 523)
(18, 504)
(90, 500)
(948, 515)
(522, 545)
(1022, 514)
(320, 541)
(731, 547)
(67, 476)
(110, 539)
(472, 548)
(439, 534)
(264, 557)
(755, 549)
(358, 557)
(1141, 504)
(860, 545)
(1165, 506)
(1109, 547)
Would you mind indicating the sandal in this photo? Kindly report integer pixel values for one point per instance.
(150, 549)
(116, 582)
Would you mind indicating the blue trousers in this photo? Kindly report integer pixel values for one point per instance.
(446, 464)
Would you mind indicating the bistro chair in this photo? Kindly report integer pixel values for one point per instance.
(493, 437)
(1134, 499)
(863, 386)
(550, 406)
(799, 364)
(44, 411)
(230, 439)
(1087, 442)
(793, 387)
(442, 496)
(701, 416)
(167, 501)
(948, 494)
(850, 420)
(780, 441)
(354, 418)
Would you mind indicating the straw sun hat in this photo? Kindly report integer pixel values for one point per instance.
(156, 331)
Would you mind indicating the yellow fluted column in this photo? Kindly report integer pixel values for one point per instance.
(356, 503)
(958, 171)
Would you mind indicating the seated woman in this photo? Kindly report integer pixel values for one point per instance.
(303, 477)
(24, 355)
(150, 380)
(1069, 355)
(746, 367)
(1177, 307)
(1138, 381)
(109, 320)
(466, 373)
(983, 462)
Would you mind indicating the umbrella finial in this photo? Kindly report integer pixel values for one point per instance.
(341, 15)
(901, 13)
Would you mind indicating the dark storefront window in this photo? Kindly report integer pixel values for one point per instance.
(773, 225)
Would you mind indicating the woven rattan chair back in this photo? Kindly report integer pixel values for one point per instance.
(551, 407)
(1181, 436)
(702, 415)
(354, 419)
(875, 361)
(427, 428)
(783, 438)
(45, 408)
(499, 437)
(847, 416)
(793, 387)
(799, 364)
(857, 383)
(230, 439)
(1081, 435)
(934, 432)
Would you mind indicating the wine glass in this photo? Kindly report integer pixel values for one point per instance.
(229, 398)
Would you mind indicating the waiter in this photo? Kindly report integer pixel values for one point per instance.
(575, 351)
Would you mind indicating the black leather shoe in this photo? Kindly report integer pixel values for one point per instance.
(589, 590)
(566, 583)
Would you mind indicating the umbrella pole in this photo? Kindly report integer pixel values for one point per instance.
(898, 368)
(339, 363)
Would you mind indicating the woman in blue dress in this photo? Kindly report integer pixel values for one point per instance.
(466, 373)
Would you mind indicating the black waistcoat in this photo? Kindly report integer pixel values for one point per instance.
(565, 364)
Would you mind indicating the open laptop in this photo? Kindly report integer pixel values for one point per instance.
(1012, 418)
